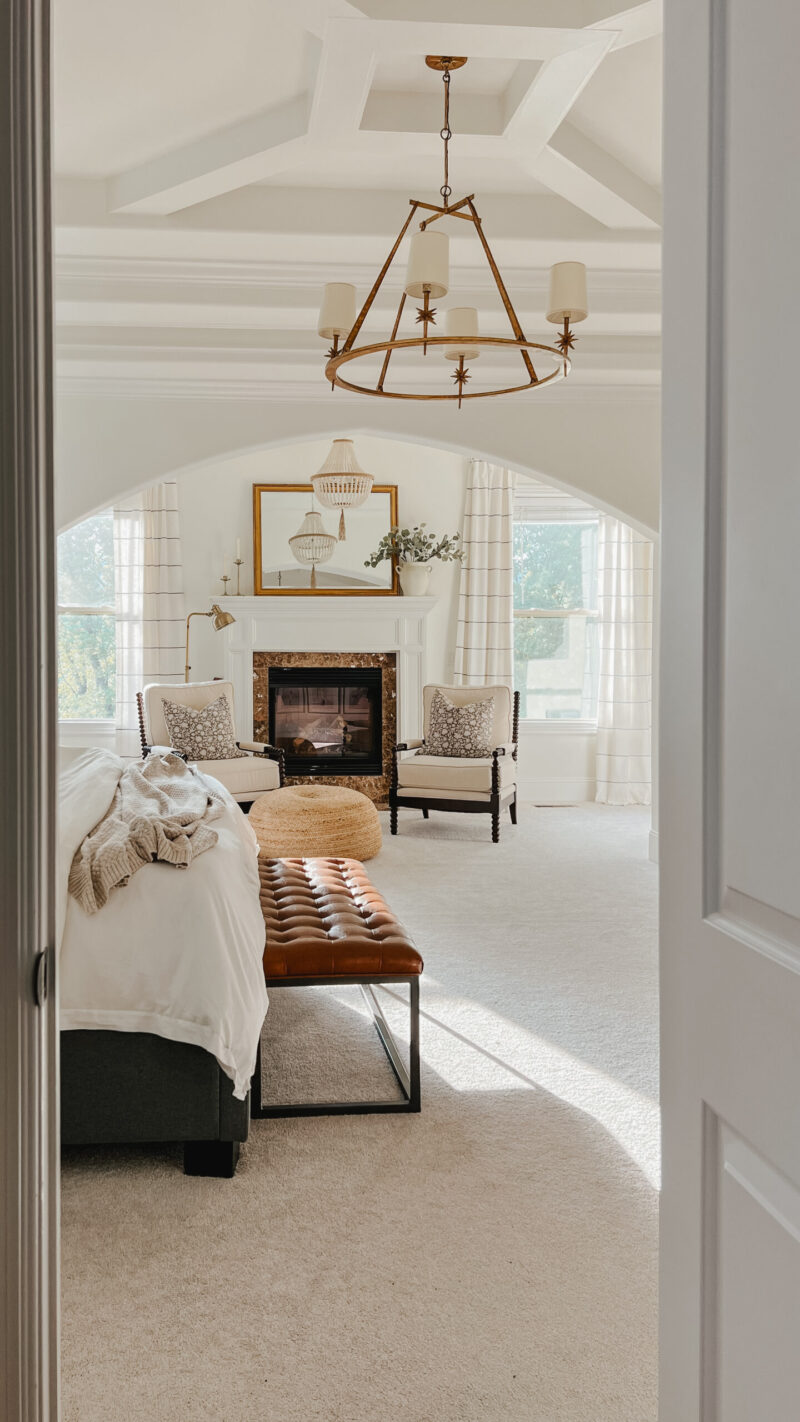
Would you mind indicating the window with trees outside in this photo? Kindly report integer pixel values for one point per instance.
(86, 621)
(555, 607)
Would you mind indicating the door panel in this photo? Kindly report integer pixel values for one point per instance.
(730, 688)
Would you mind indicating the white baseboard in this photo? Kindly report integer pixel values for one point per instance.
(557, 792)
(653, 846)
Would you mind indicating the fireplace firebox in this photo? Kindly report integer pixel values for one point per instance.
(327, 720)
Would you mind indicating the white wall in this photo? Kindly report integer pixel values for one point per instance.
(606, 450)
(217, 508)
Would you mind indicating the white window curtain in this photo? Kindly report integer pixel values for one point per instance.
(485, 634)
(150, 613)
(624, 710)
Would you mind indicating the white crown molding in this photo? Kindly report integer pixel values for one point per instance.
(125, 387)
(189, 271)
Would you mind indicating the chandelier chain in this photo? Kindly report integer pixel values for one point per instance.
(446, 134)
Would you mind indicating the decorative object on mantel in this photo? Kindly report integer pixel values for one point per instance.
(340, 483)
(415, 550)
(277, 511)
(238, 561)
(428, 278)
(311, 544)
(221, 619)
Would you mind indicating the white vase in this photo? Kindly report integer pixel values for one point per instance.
(414, 578)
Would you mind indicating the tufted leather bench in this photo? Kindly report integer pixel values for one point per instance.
(327, 924)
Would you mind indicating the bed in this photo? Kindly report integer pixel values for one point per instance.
(161, 992)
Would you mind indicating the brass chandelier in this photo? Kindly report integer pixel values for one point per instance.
(427, 280)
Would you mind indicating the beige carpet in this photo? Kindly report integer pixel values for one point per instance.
(491, 1260)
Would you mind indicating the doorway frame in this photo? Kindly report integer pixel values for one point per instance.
(29, 1200)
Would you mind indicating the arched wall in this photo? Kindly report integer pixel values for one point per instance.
(606, 451)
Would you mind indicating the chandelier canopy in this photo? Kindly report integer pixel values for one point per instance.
(340, 483)
(428, 279)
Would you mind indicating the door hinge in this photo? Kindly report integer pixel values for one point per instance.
(40, 976)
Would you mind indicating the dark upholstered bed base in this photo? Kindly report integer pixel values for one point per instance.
(127, 1087)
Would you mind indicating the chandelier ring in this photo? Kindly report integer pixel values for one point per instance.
(563, 365)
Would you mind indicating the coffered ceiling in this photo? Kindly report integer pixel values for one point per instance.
(217, 163)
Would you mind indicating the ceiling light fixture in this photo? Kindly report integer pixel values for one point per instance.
(311, 545)
(340, 483)
(427, 280)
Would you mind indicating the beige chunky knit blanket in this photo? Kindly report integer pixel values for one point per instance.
(160, 811)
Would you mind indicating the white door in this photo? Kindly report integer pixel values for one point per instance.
(730, 714)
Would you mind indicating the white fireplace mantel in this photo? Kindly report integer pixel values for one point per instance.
(328, 624)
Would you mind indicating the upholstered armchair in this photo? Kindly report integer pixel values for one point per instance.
(246, 775)
(469, 785)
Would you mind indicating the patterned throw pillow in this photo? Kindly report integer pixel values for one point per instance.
(202, 735)
(459, 730)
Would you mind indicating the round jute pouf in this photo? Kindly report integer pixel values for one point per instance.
(312, 821)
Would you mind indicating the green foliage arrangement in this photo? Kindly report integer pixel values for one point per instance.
(414, 545)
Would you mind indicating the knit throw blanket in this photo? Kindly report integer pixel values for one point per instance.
(160, 811)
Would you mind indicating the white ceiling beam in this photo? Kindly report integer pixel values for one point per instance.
(344, 78)
(316, 15)
(258, 147)
(640, 22)
(272, 323)
(588, 177)
(486, 41)
(549, 98)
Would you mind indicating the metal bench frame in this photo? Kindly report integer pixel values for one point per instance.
(407, 1079)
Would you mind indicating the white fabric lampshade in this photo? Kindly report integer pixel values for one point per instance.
(338, 311)
(462, 321)
(428, 265)
(567, 293)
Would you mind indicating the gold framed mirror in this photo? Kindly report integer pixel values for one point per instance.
(294, 556)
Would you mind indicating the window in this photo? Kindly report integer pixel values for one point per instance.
(86, 623)
(555, 607)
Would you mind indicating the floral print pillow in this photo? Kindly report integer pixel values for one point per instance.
(202, 735)
(459, 730)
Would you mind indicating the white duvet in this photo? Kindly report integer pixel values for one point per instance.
(176, 952)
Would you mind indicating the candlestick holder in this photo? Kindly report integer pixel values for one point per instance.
(225, 579)
(238, 565)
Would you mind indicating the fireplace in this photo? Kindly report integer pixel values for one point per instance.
(327, 720)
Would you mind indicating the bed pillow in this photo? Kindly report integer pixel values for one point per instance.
(459, 730)
(202, 735)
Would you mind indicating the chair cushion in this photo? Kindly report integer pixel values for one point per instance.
(463, 695)
(464, 731)
(196, 694)
(434, 772)
(325, 919)
(244, 777)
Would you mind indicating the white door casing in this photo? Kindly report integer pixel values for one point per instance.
(730, 694)
(28, 1032)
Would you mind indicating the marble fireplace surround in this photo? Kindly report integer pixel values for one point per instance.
(329, 627)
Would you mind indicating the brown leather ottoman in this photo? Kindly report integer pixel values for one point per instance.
(326, 925)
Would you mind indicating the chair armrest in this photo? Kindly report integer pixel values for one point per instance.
(508, 749)
(163, 750)
(408, 745)
(260, 748)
